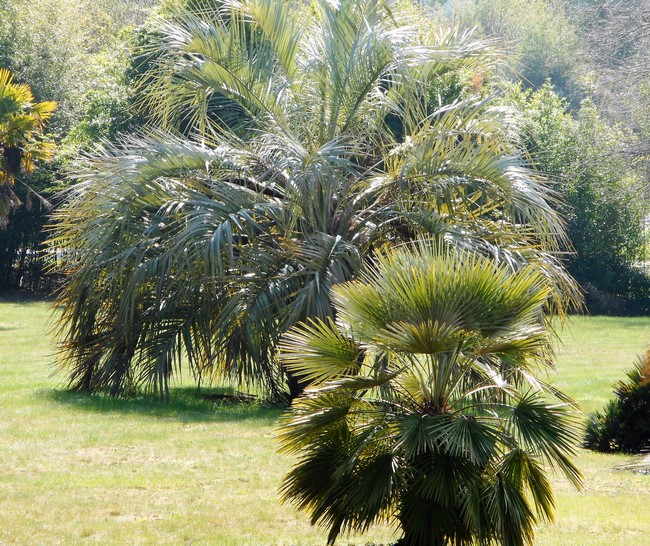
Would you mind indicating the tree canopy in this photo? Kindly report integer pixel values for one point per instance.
(22, 122)
(289, 148)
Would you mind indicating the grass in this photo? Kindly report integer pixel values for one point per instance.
(594, 354)
(77, 469)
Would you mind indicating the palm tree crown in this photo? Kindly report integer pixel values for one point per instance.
(21, 137)
(424, 406)
(290, 144)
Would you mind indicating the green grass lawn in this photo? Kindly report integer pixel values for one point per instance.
(78, 469)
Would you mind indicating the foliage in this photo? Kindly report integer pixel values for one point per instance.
(62, 48)
(424, 405)
(603, 198)
(542, 37)
(616, 41)
(75, 53)
(106, 108)
(23, 260)
(296, 146)
(624, 424)
(22, 142)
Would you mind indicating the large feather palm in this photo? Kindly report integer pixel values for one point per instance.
(290, 145)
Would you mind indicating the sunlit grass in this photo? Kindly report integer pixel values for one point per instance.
(90, 469)
(76, 468)
(595, 353)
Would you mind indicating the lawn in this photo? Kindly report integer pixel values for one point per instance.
(78, 469)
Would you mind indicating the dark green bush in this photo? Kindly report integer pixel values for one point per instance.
(600, 188)
(624, 423)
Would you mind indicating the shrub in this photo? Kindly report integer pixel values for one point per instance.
(624, 424)
(424, 407)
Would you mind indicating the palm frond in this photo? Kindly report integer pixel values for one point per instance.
(418, 401)
(287, 149)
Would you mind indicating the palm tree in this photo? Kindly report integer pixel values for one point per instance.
(21, 138)
(290, 145)
(425, 407)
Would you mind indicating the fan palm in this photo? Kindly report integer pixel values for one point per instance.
(290, 144)
(22, 122)
(424, 405)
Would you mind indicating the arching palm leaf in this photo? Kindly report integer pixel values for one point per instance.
(22, 122)
(302, 145)
(424, 409)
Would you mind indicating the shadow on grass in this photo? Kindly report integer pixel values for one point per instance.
(186, 405)
(621, 321)
(24, 297)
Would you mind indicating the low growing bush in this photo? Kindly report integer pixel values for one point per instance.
(624, 423)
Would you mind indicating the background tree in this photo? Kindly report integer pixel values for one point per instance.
(603, 196)
(66, 51)
(296, 143)
(541, 36)
(75, 53)
(22, 143)
(616, 41)
(424, 405)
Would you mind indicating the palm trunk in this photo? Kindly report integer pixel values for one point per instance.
(296, 385)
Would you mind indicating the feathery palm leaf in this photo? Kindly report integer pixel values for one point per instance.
(291, 149)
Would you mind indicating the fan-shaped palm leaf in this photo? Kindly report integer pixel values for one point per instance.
(22, 122)
(423, 407)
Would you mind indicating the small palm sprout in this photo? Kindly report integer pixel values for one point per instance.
(425, 408)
